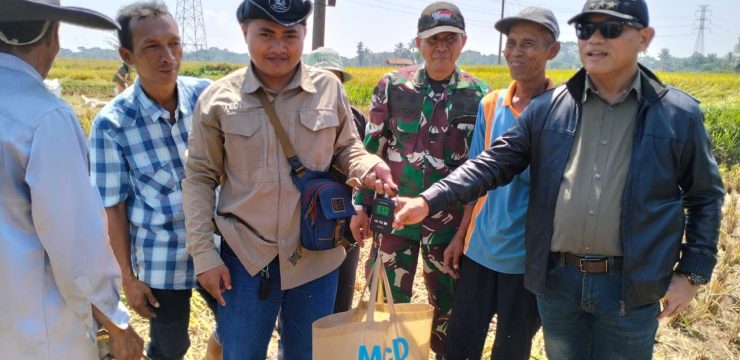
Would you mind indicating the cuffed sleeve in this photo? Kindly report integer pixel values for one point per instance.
(703, 194)
(69, 219)
(204, 166)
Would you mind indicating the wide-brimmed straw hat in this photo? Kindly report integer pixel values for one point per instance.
(33, 10)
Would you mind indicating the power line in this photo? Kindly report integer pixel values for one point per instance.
(407, 10)
(547, 5)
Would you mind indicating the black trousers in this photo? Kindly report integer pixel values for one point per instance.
(481, 293)
(346, 284)
(168, 332)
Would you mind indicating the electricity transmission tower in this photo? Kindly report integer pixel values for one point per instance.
(189, 17)
(702, 20)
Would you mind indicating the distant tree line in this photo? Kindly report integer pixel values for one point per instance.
(567, 58)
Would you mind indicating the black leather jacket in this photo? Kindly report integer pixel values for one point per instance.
(673, 185)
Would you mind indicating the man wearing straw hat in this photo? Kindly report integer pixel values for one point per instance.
(56, 261)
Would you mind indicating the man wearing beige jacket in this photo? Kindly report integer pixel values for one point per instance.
(261, 268)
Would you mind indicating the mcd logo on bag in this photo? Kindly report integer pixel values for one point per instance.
(400, 351)
(377, 329)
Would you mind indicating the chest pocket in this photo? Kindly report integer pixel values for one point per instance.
(462, 116)
(158, 187)
(245, 142)
(405, 119)
(315, 137)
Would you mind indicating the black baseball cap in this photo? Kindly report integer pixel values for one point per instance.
(283, 12)
(440, 17)
(533, 14)
(631, 10)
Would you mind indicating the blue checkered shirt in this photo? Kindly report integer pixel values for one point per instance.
(137, 155)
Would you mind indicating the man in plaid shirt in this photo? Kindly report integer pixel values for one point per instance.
(137, 149)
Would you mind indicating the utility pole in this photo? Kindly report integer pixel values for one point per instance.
(500, 35)
(189, 17)
(702, 20)
(319, 23)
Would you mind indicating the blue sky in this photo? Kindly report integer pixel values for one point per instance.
(380, 24)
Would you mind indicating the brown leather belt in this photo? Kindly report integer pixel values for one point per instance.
(590, 264)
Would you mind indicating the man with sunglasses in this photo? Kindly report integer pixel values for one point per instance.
(621, 170)
(421, 123)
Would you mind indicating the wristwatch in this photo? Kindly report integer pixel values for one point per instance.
(696, 279)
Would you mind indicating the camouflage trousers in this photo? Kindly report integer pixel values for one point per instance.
(400, 256)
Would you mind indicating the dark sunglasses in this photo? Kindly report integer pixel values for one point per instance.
(609, 29)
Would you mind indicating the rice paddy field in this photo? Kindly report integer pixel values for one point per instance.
(709, 329)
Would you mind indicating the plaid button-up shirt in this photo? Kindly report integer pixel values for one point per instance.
(137, 155)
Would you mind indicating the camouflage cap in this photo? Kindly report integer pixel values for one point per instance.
(327, 59)
(440, 17)
(283, 12)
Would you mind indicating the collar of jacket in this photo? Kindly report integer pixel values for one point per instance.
(652, 88)
(302, 78)
(421, 79)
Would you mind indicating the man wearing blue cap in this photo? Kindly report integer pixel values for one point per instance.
(626, 196)
(261, 268)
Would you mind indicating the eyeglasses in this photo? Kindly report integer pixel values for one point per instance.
(609, 29)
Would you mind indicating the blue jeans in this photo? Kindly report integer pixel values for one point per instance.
(246, 323)
(584, 317)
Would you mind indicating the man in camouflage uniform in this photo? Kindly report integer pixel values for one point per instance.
(421, 124)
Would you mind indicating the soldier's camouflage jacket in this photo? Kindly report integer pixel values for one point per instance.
(421, 139)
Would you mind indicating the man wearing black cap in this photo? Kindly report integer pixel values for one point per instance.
(622, 171)
(421, 123)
(56, 264)
(261, 268)
(491, 273)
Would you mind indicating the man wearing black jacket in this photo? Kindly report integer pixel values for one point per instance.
(621, 169)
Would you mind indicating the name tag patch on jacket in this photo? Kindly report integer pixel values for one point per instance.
(338, 205)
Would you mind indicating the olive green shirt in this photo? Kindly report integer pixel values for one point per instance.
(588, 210)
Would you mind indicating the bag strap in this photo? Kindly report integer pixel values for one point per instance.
(293, 159)
(378, 278)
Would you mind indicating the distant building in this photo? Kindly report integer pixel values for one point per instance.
(399, 61)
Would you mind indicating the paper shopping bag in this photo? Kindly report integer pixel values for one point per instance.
(375, 330)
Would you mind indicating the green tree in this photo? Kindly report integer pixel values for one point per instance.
(361, 54)
(666, 59)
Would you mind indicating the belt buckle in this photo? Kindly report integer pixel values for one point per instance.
(593, 260)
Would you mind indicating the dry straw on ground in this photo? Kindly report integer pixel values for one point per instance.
(709, 329)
